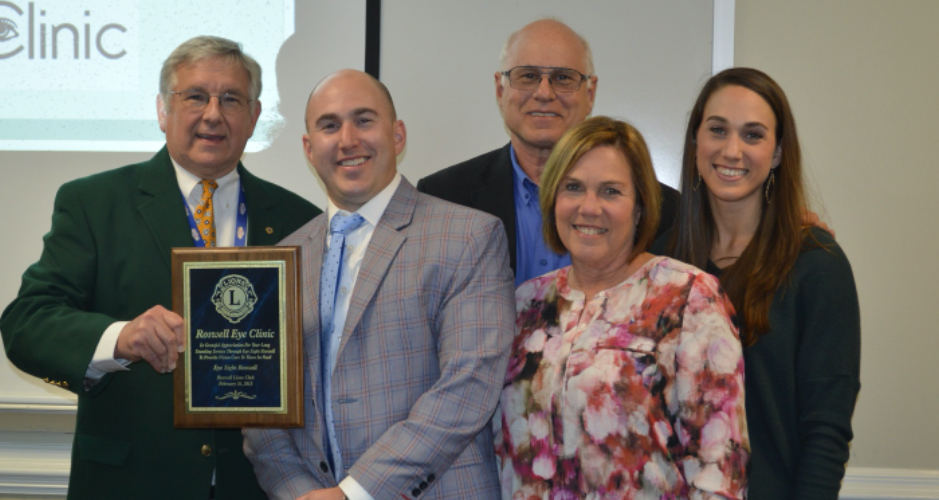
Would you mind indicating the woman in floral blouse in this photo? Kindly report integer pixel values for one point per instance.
(626, 376)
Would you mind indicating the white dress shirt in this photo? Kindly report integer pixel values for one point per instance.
(356, 243)
(225, 204)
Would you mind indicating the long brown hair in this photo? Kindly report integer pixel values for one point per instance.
(764, 265)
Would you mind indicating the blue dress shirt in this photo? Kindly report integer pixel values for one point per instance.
(532, 256)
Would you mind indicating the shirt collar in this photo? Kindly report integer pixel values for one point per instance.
(188, 182)
(372, 210)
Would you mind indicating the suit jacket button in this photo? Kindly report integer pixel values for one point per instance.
(415, 492)
(206, 450)
(430, 478)
(324, 467)
(423, 485)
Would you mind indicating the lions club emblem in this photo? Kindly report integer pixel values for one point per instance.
(234, 297)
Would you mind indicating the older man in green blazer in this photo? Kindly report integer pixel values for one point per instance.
(93, 314)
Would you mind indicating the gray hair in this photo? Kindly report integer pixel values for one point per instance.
(504, 56)
(209, 47)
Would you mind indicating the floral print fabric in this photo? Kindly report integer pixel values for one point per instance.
(635, 394)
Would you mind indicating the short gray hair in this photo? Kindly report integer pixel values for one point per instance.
(209, 47)
(504, 56)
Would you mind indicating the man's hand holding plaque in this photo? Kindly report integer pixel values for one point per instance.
(156, 336)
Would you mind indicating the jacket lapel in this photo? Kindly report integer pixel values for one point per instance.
(382, 248)
(497, 195)
(158, 195)
(311, 263)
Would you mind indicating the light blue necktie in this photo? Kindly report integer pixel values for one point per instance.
(340, 225)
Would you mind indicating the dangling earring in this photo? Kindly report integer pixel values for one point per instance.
(697, 181)
(769, 183)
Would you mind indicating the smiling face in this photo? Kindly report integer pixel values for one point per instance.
(352, 138)
(595, 211)
(736, 145)
(537, 118)
(208, 143)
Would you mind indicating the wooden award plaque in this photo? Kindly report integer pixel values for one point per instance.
(243, 363)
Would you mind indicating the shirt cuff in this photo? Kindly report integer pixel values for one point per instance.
(103, 361)
(353, 490)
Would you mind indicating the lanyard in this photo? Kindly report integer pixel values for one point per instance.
(241, 221)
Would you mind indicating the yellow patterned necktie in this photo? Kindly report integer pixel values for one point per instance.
(205, 213)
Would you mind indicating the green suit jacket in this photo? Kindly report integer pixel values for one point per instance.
(107, 259)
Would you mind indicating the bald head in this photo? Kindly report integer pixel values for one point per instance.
(353, 138)
(536, 118)
(545, 31)
(351, 73)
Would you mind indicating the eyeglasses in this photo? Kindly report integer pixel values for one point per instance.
(562, 80)
(197, 100)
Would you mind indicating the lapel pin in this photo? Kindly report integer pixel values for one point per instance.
(269, 230)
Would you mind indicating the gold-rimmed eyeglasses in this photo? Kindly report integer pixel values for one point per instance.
(197, 100)
(563, 80)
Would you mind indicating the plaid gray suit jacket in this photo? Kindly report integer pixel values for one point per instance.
(421, 362)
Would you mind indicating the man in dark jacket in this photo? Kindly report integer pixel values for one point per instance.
(546, 85)
(93, 314)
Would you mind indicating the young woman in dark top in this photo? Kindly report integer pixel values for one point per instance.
(741, 219)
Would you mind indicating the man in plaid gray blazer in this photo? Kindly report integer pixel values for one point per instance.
(423, 321)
